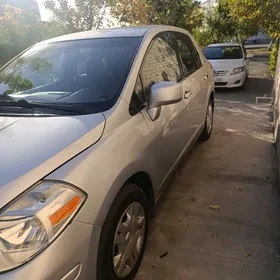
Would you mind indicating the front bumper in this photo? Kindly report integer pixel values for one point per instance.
(230, 81)
(72, 256)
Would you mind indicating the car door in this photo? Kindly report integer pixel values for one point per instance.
(195, 81)
(171, 131)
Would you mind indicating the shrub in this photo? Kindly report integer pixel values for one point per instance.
(273, 58)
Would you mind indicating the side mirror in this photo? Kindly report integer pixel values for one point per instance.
(163, 93)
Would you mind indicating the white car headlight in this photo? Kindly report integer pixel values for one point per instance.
(30, 223)
(237, 70)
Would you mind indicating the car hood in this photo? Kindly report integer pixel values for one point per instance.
(33, 147)
(226, 64)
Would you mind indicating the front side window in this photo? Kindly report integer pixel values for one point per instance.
(223, 52)
(82, 73)
(190, 57)
(160, 64)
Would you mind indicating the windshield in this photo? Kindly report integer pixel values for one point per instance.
(82, 73)
(223, 52)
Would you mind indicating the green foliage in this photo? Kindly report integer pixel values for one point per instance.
(38, 64)
(131, 12)
(273, 58)
(14, 32)
(16, 84)
(84, 15)
(204, 36)
(220, 26)
(231, 26)
(47, 30)
(263, 14)
(20, 29)
(29, 7)
(185, 14)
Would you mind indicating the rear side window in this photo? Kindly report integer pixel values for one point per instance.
(160, 64)
(189, 54)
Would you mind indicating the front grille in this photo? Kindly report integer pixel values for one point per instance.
(220, 84)
(220, 72)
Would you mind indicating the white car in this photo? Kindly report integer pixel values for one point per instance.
(230, 64)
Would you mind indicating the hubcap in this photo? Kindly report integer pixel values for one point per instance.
(209, 118)
(129, 238)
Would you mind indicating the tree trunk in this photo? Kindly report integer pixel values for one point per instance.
(269, 48)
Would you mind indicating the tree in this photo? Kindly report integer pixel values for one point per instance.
(261, 13)
(185, 13)
(29, 7)
(16, 84)
(220, 26)
(84, 15)
(13, 33)
(20, 29)
(50, 29)
(264, 15)
(203, 36)
(131, 12)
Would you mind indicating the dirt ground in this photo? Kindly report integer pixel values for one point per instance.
(235, 172)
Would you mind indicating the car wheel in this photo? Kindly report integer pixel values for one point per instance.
(208, 126)
(124, 235)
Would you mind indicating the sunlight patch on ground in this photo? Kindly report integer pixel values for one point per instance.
(257, 135)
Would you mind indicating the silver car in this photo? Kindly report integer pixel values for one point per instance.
(92, 125)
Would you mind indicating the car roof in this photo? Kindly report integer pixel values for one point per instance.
(225, 45)
(119, 32)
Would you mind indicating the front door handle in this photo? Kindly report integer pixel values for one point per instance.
(205, 77)
(187, 94)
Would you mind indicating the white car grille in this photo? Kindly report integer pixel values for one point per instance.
(220, 72)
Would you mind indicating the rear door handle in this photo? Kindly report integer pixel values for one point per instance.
(187, 94)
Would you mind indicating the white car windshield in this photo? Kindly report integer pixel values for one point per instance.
(83, 73)
(223, 52)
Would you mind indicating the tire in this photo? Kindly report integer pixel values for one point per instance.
(207, 131)
(119, 234)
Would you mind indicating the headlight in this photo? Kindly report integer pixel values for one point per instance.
(30, 223)
(237, 70)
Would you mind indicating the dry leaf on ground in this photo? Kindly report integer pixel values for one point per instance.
(240, 188)
(215, 207)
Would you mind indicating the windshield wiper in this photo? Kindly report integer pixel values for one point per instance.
(31, 106)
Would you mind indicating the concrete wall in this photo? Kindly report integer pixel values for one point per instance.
(276, 110)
